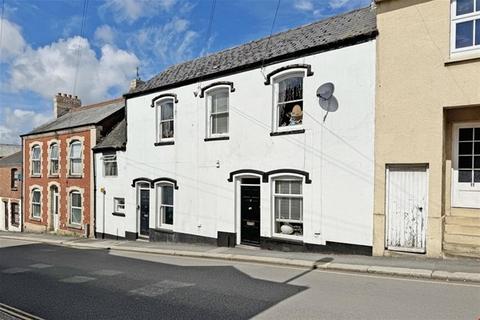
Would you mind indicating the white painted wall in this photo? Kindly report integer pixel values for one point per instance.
(338, 205)
(10, 226)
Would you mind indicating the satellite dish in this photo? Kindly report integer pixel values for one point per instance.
(329, 105)
(325, 91)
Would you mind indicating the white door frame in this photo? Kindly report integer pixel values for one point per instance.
(387, 192)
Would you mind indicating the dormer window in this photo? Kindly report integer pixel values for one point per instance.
(465, 26)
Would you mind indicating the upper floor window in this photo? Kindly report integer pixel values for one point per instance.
(288, 93)
(165, 119)
(36, 161)
(76, 158)
(288, 206)
(75, 208)
(465, 25)
(165, 205)
(110, 168)
(218, 112)
(54, 159)
(14, 179)
(36, 203)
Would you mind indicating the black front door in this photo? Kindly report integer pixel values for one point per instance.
(144, 211)
(250, 214)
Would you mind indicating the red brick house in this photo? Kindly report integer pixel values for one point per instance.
(10, 192)
(58, 173)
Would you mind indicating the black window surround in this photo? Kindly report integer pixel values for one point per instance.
(216, 138)
(265, 175)
(283, 133)
(215, 84)
(118, 214)
(162, 96)
(164, 143)
(269, 76)
(152, 182)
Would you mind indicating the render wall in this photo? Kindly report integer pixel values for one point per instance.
(337, 154)
(417, 82)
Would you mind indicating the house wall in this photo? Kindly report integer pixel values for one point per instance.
(9, 195)
(337, 154)
(63, 181)
(417, 84)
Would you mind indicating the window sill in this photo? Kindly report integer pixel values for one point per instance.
(216, 139)
(36, 219)
(164, 143)
(35, 176)
(13, 189)
(163, 230)
(290, 239)
(53, 176)
(74, 177)
(460, 59)
(75, 226)
(110, 176)
(118, 214)
(282, 133)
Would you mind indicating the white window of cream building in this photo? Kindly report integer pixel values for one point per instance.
(465, 26)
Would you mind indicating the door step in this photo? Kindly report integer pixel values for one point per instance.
(247, 246)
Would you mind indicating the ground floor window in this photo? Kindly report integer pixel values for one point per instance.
(119, 205)
(288, 206)
(15, 214)
(165, 205)
(75, 208)
(36, 204)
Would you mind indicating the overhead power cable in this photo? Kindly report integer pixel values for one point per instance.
(82, 30)
(269, 37)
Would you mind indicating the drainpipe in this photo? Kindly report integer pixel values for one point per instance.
(94, 194)
(21, 189)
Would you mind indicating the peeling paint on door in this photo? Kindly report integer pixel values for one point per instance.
(406, 206)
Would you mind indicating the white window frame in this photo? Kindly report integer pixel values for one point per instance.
(52, 159)
(275, 111)
(209, 96)
(160, 205)
(454, 20)
(39, 160)
(39, 204)
(293, 196)
(459, 187)
(158, 108)
(117, 206)
(71, 207)
(72, 159)
(109, 158)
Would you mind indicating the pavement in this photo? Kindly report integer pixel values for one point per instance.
(449, 269)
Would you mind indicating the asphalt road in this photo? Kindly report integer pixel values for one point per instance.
(63, 283)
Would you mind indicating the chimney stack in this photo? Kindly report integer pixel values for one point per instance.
(135, 83)
(63, 104)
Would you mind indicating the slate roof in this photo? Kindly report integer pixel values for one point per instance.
(8, 149)
(116, 139)
(342, 30)
(86, 115)
(15, 159)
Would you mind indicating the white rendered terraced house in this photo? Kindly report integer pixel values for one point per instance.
(234, 148)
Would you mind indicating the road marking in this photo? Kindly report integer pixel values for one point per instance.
(15, 270)
(106, 272)
(77, 279)
(17, 313)
(160, 288)
(40, 266)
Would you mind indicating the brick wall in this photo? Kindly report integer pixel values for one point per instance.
(64, 182)
(5, 183)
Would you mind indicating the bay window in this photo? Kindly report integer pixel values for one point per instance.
(288, 206)
(465, 26)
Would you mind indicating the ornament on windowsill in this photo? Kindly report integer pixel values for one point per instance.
(286, 229)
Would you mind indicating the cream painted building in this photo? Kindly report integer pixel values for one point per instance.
(427, 135)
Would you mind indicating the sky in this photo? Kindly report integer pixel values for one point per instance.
(51, 46)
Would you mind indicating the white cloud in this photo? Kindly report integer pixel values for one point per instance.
(337, 3)
(165, 44)
(347, 4)
(52, 68)
(12, 42)
(303, 5)
(105, 35)
(18, 121)
(131, 10)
